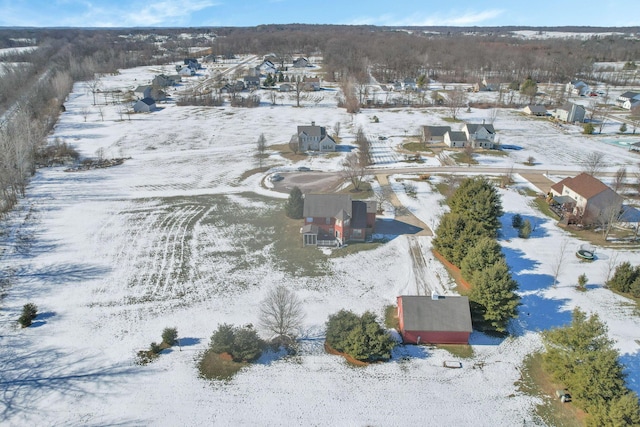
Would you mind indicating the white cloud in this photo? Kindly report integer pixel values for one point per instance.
(453, 18)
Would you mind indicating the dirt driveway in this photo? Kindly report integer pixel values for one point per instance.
(309, 182)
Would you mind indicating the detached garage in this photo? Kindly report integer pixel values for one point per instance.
(435, 319)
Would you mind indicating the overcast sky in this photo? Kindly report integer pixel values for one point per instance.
(196, 13)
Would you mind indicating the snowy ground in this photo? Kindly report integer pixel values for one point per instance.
(174, 237)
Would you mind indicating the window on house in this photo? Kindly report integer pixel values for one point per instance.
(327, 220)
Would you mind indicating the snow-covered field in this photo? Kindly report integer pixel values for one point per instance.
(179, 236)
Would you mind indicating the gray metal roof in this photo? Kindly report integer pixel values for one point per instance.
(326, 205)
(447, 313)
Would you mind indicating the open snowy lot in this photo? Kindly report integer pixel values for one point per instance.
(181, 235)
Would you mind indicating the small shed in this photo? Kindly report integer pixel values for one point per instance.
(434, 319)
(145, 105)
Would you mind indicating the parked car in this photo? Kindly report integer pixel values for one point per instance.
(303, 169)
(276, 177)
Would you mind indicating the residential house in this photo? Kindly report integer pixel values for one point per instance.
(285, 87)
(192, 63)
(577, 88)
(570, 113)
(486, 86)
(409, 84)
(480, 135)
(333, 219)
(266, 67)
(233, 87)
(186, 71)
(142, 92)
(145, 105)
(300, 63)
(251, 82)
(535, 110)
(628, 100)
(434, 319)
(455, 139)
(586, 197)
(162, 80)
(314, 138)
(311, 84)
(434, 134)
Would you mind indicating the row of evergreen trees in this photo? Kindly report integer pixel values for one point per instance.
(466, 237)
(582, 358)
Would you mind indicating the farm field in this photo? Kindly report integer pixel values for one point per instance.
(182, 235)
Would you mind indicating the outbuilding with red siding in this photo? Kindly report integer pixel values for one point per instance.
(434, 319)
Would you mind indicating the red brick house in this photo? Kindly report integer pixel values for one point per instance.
(434, 319)
(333, 219)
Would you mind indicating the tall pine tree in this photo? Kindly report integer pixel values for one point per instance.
(295, 204)
(477, 199)
(494, 292)
(485, 253)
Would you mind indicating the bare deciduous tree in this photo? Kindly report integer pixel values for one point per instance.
(94, 87)
(558, 263)
(456, 100)
(281, 312)
(353, 170)
(619, 179)
(261, 146)
(593, 163)
(294, 144)
(336, 129)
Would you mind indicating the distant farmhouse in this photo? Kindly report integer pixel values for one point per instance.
(475, 135)
(434, 319)
(570, 113)
(587, 198)
(535, 110)
(577, 88)
(145, 105)
(628, 100)
(314, 138)
(333, 219)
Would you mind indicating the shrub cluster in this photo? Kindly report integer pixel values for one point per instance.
(626, 279)
(361, 337)
(169, 337)
(242, 343)
(582, 358)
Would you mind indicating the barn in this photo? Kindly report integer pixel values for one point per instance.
(434, 319)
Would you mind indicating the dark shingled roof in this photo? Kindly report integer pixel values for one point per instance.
(326, 205)
(312, 130)
(148, 101)
(438, 130)
(450, 313)
(473, 127)
(359, 214)
(457, 136)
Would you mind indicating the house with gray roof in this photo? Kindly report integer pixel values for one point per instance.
(480, 135)
(434, 319)
(314, 138)
(628, 100)
(456, 139)
(145, 105)
(570, 113)
(434, 134)
(535, 110)
(333, 219)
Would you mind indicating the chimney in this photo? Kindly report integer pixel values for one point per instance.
(313, 123)
(482, 121)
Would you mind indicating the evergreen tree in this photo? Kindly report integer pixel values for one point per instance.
(485, 253)
(494, 292)
(582, 357)
(623, 277)
(295, 204)
(29, 312)
(477, 199)
(247, 345)
(623, 127)
(456, 235)
(529, 88)
(222, 339)
(169, 335)
(361, 337)
(588, 129)
(525, 231)
(516, 221)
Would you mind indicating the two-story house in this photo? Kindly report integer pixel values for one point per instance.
(314, 138)
(480, 135)
(628, 100)
(570, 113)
(333, 219)
(587, 197)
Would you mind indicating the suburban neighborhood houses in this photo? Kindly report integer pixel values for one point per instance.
(318, 222)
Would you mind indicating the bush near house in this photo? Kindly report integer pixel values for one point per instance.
(29, 312)
(361, 337)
